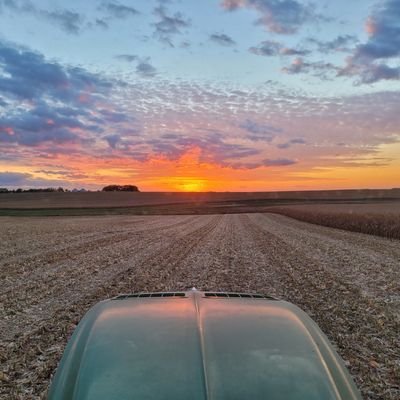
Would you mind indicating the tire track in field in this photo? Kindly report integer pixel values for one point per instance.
(227, 261)
(155, 272)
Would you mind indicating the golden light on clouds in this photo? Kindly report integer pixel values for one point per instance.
(190, 173)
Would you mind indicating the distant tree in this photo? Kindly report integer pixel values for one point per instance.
(130, 188)
(110, 188)
(37, 190)
(120, 188)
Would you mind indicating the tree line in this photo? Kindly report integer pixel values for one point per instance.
(120, 188)
(109, 188)
(33, 190)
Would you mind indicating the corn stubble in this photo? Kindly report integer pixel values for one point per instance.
(54, 269)
(385, 225)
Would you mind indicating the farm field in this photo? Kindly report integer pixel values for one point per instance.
(133, 199)
(359, 208)
(53, 269)
(381, 219)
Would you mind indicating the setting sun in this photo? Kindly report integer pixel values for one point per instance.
(191, 185)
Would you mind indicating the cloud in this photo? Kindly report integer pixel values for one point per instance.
(222, 39)
(279, 162)
(266, 48)
(123, 140)
(113, 140)
(213, 147)
(384, 33)
(26, 75)
(369, 61)
(127, 57)
(323, 70)
(291, 142)
(26, 180)
(14, 5)
(63, 172)
(60, 113)
(297, 66)
(185, 44)
(297, 141)
(145, 70)
(169, 25)
(370, 73)
(341, 43)
(49, 104)
(232, 126)
(69, 21)
(41, 124)
(114, 116)
(278, 16)
(288, 51)
(272, 48)
(101, 23)
(118, 10)
(13, 178)
(259, 132)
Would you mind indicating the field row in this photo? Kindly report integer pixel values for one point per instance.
(53, 269)
(373, 219)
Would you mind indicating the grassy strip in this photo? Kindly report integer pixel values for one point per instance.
(183, 209)
(193, 208)
(76, 212)
(386, 225)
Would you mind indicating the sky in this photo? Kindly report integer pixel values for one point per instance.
(211, 95)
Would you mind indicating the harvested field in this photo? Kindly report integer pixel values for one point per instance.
(374, 219)
(69, 200)
(357, 208)
(53, 269)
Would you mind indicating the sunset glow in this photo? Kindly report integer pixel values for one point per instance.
(251, 95)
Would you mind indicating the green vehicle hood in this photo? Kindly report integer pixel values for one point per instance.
(196, 345)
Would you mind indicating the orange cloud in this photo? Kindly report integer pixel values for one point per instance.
(190, 173)
(370, 26)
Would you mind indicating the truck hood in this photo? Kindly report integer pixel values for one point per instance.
(199, 345)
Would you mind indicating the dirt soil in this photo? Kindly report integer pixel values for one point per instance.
(72, 200)
(53, 270)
